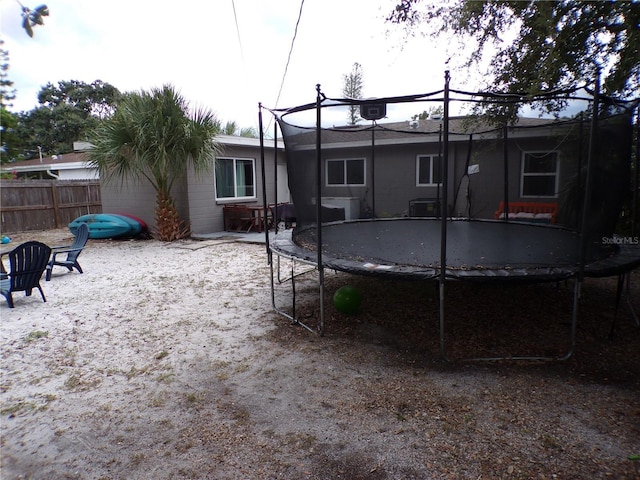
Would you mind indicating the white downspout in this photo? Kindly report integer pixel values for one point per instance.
(48, 171)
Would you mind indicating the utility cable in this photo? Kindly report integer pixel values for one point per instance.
(286, 67)
(235, 17)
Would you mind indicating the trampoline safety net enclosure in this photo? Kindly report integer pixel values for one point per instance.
(457, 195)
(523, 198)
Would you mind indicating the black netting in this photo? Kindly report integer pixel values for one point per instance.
(376, 170)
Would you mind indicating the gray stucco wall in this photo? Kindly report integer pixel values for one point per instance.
(194, 195)
(206, 213)
(395, 182)
(488, 186)
(477, 195)
(139, 199)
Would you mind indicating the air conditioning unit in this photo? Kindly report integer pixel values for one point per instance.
(413, 124)
(351, 205)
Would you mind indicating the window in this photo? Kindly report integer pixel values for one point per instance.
(235, 178)
(346, 172)
(427, 170)
(539, 174)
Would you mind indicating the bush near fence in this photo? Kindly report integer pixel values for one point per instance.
(46, 204)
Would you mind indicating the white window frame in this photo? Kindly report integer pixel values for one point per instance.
(433, 158)
(524, 175)
(345, 184)
(235, 181)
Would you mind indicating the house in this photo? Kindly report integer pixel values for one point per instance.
(394, 169)
(67, 166)
(235, 178)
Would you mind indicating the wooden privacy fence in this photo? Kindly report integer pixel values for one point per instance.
(46, 204)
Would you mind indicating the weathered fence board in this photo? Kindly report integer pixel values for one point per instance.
(45, 204)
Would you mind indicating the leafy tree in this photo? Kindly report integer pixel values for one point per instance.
(153, 136)
(67, 112)
(558, 44)
(10, 141)
(97, 98)
(31, 18)
(52, 129)
(7, 93)
(352, 88)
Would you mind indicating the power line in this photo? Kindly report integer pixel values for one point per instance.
(286, 67)
(235, 17)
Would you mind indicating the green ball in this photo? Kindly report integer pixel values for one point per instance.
(347, 299)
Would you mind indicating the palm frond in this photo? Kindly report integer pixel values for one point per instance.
(153, 136)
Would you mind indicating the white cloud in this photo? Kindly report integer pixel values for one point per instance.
(194, 45)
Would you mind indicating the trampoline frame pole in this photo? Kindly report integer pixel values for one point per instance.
(586, 204)
(275, 178)
(444, 209)
(270, 253)
(264, 183)
(505, 153)
(373, 169)
(624, 280)
(634, 212)
(438, 193)
(588, 187)
(319, 205)
(579, 173)
(636, 177)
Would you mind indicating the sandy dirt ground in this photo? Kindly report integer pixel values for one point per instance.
(167, 361)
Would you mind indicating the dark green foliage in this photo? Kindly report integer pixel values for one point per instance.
(557, 45)
(7, 92)
(9, 136)
(67, 112)
(96, 99)
(31, 18)
(52, 129)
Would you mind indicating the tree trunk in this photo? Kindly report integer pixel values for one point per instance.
(169, 227)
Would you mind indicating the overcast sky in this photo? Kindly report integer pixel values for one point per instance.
(196, 46)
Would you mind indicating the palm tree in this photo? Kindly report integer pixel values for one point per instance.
(232, 128)
(153, 136)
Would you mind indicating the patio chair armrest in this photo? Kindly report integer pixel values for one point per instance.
(58, 247)
(56, 252)
(65, 249)
(53, 257)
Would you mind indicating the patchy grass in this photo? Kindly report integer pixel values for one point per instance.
(36, 335)
(165, 377)
(162, 355)
(195, 398)
(32, 405)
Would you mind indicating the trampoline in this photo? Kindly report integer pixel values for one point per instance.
(360, 226)
(477, 250)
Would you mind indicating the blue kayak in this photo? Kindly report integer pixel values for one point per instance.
(107, 225)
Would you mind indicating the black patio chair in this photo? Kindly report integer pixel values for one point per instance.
(27, 263)
(73, 251)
